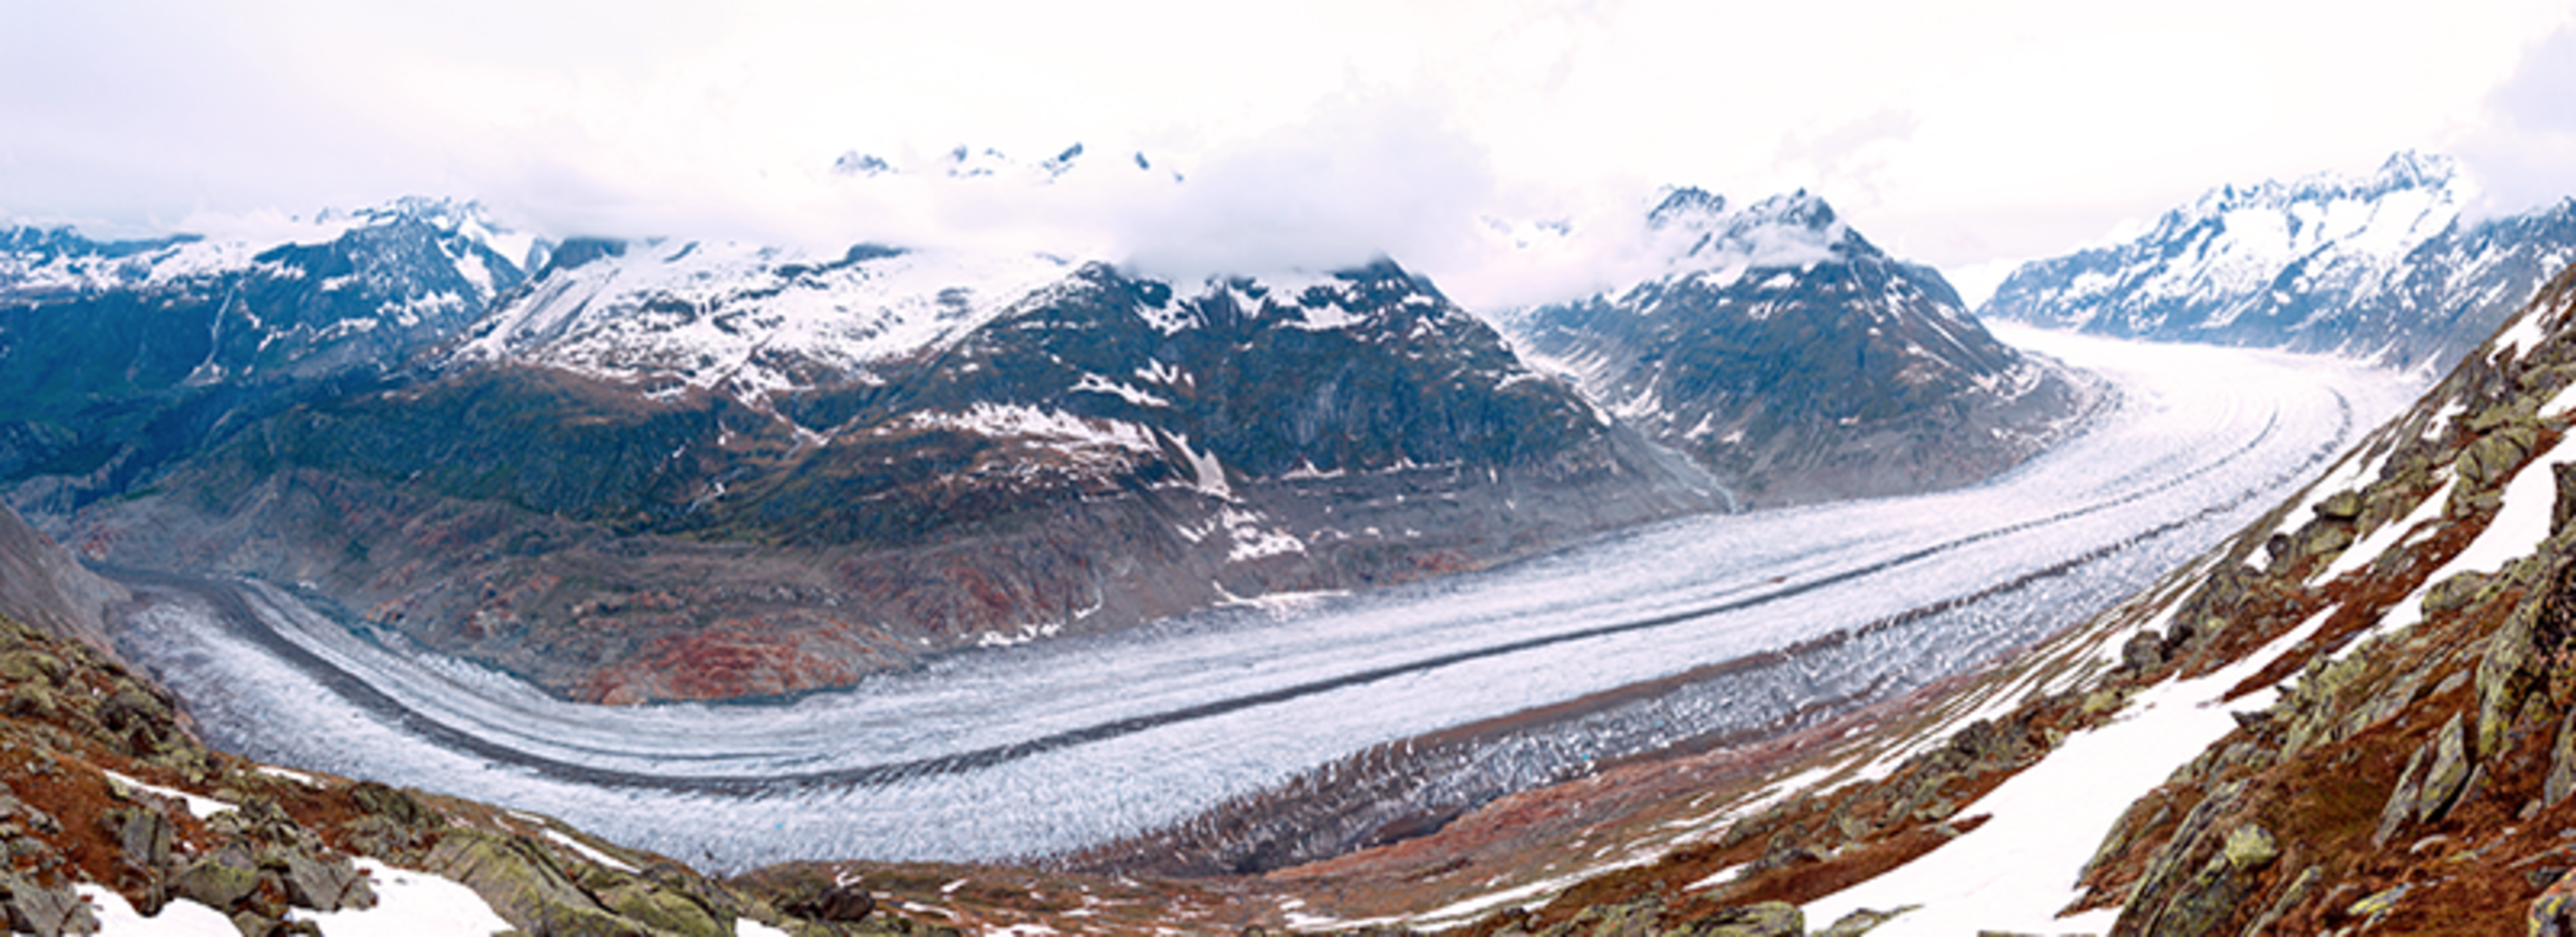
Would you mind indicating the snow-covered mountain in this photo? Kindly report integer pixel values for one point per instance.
(2385, 266)
(1797, 361)
(882, 453)
(747, 319)
(355, 289)
(114, 356)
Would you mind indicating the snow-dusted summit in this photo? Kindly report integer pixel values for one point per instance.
(2385, 266)
(116, 355)
(1797, 361)
(749, 319)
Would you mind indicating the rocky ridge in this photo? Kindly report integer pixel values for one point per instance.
(2386, 267)
(1797, 362)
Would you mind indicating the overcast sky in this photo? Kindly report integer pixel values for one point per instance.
(1965, 135)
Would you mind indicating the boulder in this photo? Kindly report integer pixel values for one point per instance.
(840, 902)
(2562, 764)
(664, 911)
(2448, 773)
(325, 884)
(1861, 922)
(45, 912)
(2249, 847)
(522, 882)
(1767, 919)
(217, 881)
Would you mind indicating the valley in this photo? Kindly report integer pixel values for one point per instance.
(1746, 623)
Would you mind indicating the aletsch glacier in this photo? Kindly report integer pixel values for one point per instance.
(1013, 751)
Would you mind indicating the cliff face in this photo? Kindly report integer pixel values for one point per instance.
(43, 587)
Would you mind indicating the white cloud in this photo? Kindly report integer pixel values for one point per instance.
(2521, 147)
(1954, 133)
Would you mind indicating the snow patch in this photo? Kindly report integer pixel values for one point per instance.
(2015, 872)
(182, 917)
(201, 807)
(408, 904)
(1207, 472)
(1096, 384)
(590, 852)
(2368, 549)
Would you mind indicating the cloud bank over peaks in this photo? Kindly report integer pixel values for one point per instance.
(1361, 177)
(1618, 239)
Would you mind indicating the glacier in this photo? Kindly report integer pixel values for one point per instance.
(1742, 623)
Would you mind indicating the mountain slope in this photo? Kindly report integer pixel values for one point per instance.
(1797, 362)
(116, 357)
(2385, 267)
(44, 588)
(616, 523)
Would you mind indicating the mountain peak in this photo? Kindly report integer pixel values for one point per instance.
(2408, 169)
(1684, 203)
(2384, 265)
(1696, 231)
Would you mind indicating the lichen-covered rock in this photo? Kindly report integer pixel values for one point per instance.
(2375, 907)
(664, 911)
(325, 884)
(2249, 847)
(2182, 893)
(523, 883)
(2494, 456)
(218, 881)
(2563, 509)
(45, 912)
(143, 837)
(2449, 771)
(1861, 921)
(838, 902)
(1629, 919)
(2297, 894)
(1767, 919)
(2400, 809)
(2562, 764)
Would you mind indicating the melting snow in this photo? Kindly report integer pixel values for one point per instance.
(2521, 523)
(1096, 384)
(202, 807)
(2016, 872)
(181, 918)
(2522, 335)
(410, 904)
(2368, 549)
(590, 852)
